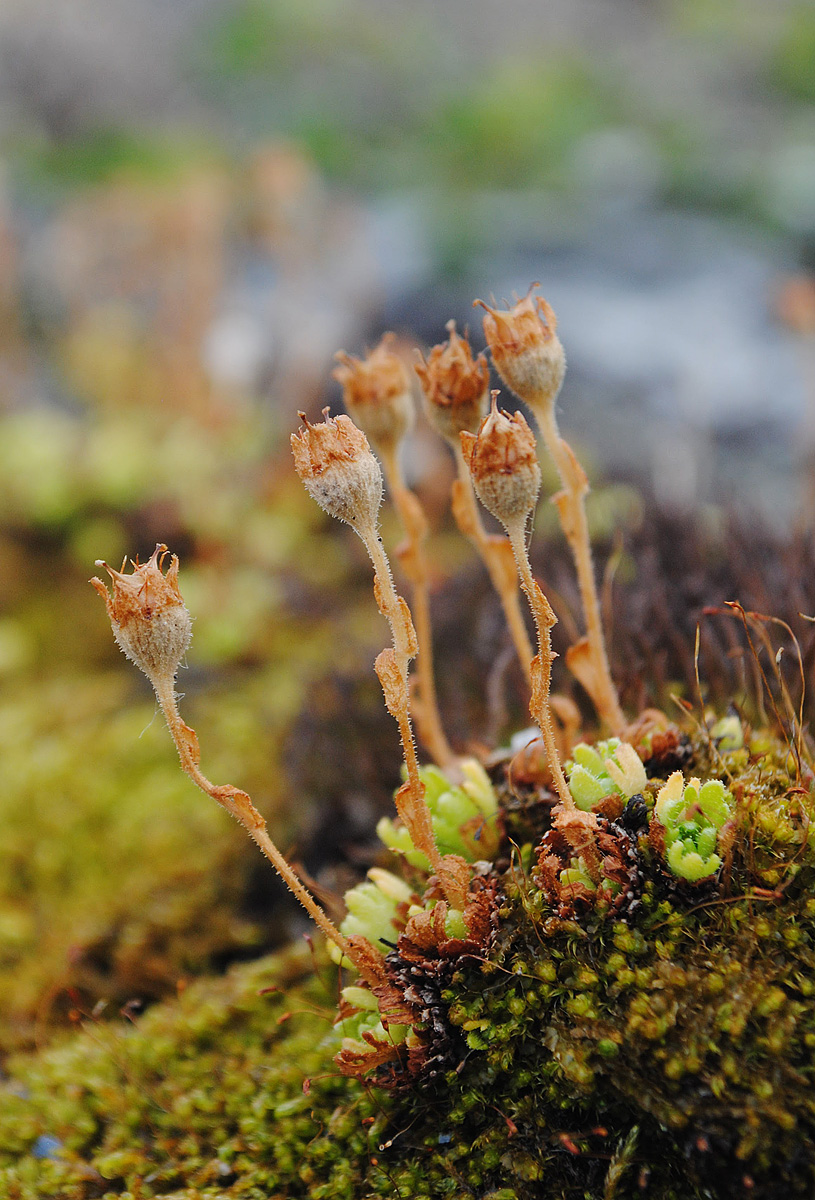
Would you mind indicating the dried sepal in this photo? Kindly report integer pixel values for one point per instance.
(147, 613)
(569, 722)
(579, 829)
(526, 349)
(454, 876)
(396, 611)
(582, 662)
(376, 391)
(503, 463)
(563, 876)
(358, 1058)
(455, 386)
(335, 462)
(391, 676)
(367, 960)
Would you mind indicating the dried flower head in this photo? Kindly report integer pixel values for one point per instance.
(148, 615)
(455, 386)
(503, 463)
(335, 462)
(376, 391)
(526, 348)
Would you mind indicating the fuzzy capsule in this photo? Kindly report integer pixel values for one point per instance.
(147, 613)
(455, 386)
(336, 464)
(526, 349)
(376, 391)
(503, 463)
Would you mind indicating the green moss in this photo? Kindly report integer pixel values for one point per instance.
(673, 1051)
(116, 880)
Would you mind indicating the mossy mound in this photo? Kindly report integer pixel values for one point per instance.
(116, 881)
(669, 1054)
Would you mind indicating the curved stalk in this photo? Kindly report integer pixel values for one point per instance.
(495, 553)
(571, 504)
(392, 668)
(544, 618)
(414, 560)
(240, 806)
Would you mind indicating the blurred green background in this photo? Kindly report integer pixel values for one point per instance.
(199, 203)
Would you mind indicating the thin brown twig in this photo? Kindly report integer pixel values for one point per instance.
(496, 554)
(571, 506)
(240, 806)
(414, 560)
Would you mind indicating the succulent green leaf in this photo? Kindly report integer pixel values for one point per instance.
(728, 734)
(586, 756)
(454, 925)
(586, 788)
(690, 864)
(478, 787)
(463, 817)
(692, 815)
(577, 873)
(610, 767)
(715, 802)
(706, 841)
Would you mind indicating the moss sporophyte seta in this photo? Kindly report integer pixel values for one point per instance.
(588, 969)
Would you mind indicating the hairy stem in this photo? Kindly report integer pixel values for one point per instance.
(571, 504)
(240, 806)
(493, 550)
(542, 666)
(392, 668)
(414, 560)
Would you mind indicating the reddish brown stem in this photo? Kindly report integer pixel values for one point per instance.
(240, 806)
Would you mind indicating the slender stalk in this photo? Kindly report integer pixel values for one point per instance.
(410, 798)
(493, 552)
(571, 504)
(414, 560)
(240, 806)
(542, 666)
(578, 826)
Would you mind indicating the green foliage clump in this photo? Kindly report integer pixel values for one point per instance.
(609, 768)
(376, 910)
(464, 817)
(693, 817)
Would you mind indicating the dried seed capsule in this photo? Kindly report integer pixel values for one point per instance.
(503, 462)
(526, 349)
(455, 386)
(376, 391)
(147, 613)
(336, 464)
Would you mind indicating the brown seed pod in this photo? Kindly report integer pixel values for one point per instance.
(376, 391)
(336, 464)
(150, 621)
(526, 349)
(455, 386)
(503, 462)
